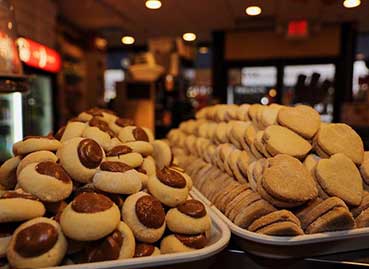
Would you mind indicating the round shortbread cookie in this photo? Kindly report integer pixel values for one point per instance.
(8, 175)
(169, 187)
(35, 157)
(80, 158)
(47, 180)
(35, 143)
(117, 177)
(145, 216)
(19, 206)
(90, 216)
(176, 243)
(73, 129)
(23, 252)
(162, 154)
(189, 217)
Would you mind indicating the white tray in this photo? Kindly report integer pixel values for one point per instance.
(293, 246)
(219, 239)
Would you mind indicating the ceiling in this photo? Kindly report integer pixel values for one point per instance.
(113, 18)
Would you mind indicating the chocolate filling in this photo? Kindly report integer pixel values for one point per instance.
(15, 194)
(89, 152)
(116, 198)
(102, 125)
(124, 122)
(171, 178)
(60, 132)
(140, 134)
(95, 112)
(115, 167)
(192, 241)
(119, 150)
(36, 240)
(106, 249)
(150, 212)
(141, 170)
(192, 208)
(90, 202)
(52, 169)
(143, 250)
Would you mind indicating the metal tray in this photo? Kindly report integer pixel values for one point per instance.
(219, 239)
(282, 247)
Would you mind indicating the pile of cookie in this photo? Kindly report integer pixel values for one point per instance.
(276, 170)
(101, 189)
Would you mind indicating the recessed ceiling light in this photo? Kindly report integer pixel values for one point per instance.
(128, 40)
(153, 4)
(253, 10)
(351, 3)
(189, 36)
(203, 50)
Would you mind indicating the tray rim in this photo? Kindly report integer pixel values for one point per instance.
(165, 259)
(283, 240)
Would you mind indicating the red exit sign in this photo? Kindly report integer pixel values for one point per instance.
(298, 29)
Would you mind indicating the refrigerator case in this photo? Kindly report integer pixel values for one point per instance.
(11, 123)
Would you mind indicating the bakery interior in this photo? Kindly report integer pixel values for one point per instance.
(164, 65)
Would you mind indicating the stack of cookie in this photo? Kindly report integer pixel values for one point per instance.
(101, 189)
(274, 169)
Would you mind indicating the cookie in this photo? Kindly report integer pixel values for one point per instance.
(35, 157)
(190, 217)
(101, 137)
(269, 115)
(338, 176)
(340, 138)
(124, 154)
(142, 147)
(7, 230)
(117, 177)
(19, 206)
(73, 129)
(145, 215)
(362, 220)
(304, 120)
(280, 140)
(162, 154)
(310, 163)
(364, 170)
(169, 187)
(327, 216)
(90, 216)
(176, 243)
(249, 214)
(8, 175)
(37, 243)
(277, 223)
(133, 133)
(287, 180)
(243, 112)
(120, 244)
(47, 180)
(146, 250)
(80, 157)
(35, 143)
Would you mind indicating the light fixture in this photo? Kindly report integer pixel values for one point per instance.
(264, 101)
(128, 40)
(189, 36)
(253, 10)
(273, 92)
(203, 50)
(351, 3)
(153, 4)
(100, 43)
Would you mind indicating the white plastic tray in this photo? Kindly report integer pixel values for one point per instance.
(293, 246)
(219, 239)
